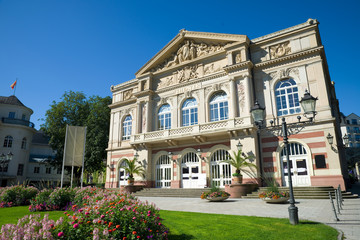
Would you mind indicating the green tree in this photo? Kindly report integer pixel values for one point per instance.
(76, 110)
(238, 161)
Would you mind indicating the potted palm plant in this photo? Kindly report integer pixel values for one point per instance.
(238, 161)
(131, 168)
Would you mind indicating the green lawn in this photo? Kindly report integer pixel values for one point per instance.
(186, 225)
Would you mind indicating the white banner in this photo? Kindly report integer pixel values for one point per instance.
(74, 146)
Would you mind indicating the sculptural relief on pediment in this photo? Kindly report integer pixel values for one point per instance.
(188, 51)
(280, 50)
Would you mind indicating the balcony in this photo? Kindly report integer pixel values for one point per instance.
(204, 129)
(17, 122)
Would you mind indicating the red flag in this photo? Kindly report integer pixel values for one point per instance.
(13, 85)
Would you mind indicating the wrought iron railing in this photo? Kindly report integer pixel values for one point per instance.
(17, 122)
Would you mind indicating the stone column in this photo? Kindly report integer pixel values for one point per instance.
(149, 115)
(248, 95)
(138, 118)
(233, 113)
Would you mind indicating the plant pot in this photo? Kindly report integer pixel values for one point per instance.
(278, 200)
(130, 181)
(237, 179)
(216, 199)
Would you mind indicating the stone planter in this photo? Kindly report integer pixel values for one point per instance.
(279, 200)
(216, 199)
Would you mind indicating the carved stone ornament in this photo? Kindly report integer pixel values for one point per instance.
(188, 51)
(216, 87)
(128, 94)
(187, 73)
(241, 92)
(166, 82)
(285, 73)
(237, 57)
(280, 50)
(163, 100)
(211, 68)
(143, 117)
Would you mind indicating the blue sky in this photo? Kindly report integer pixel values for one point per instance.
(53, 46)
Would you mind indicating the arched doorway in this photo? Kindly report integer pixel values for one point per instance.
(163, 172)
(220, 172)
(298, 164)
(123, 176)
(190, 170)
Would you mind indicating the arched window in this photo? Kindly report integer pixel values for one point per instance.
(219, 107)
(189, 112)
(8, 141)
(164, 117)
(287, 97)
(127, 128)
(23, 143)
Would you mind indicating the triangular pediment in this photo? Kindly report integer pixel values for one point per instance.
(188, 46)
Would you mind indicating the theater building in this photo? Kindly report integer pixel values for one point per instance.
(189, 108)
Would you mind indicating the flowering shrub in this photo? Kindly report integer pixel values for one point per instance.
(273, 195)
(53, 199)
(5, 204)
(17, 195)
(103, 215)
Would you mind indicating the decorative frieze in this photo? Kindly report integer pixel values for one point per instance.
(188, 51)
(285, 73)
(280, 50)
(128, 94)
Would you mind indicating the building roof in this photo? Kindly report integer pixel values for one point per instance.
(40, 138)
(12, 100)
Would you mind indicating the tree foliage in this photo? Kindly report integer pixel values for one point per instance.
(76, 110)
(238, 161)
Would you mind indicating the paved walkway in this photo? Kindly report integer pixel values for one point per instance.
(319, 210)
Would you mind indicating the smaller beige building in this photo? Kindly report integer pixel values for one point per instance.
(30, 148)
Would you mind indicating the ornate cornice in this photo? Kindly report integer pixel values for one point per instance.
(123, 85)
(237, 66)
(289, 57)
(122, 103)
(309, 22)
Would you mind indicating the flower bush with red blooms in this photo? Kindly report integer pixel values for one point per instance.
(99, 214)
(18, 195)
(273, 195)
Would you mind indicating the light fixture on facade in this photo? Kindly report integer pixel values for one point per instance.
(136, 155)
(257, 113)
(239, 146)
(330, 139)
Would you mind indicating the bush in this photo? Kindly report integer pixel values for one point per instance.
(18, 195)
(104, 215)
(53, 199)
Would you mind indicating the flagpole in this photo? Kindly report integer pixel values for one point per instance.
(73, 158)
(83, 164)
(64, 156)
(15, 86)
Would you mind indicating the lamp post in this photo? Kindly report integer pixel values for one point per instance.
(308, 103)
(4, 159)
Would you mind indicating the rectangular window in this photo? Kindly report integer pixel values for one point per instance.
(20, 170)
(48, 170)
(11, 114)
(354, 121)
(23, 117)
(356, 130)
(4, 167)
(36, 169)
(357, 138)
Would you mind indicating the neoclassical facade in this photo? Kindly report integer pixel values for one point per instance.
(189, 107)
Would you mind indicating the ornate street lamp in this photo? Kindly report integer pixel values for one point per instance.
(5, 159)
(330, 138)
(308, 104)
(346, 140)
